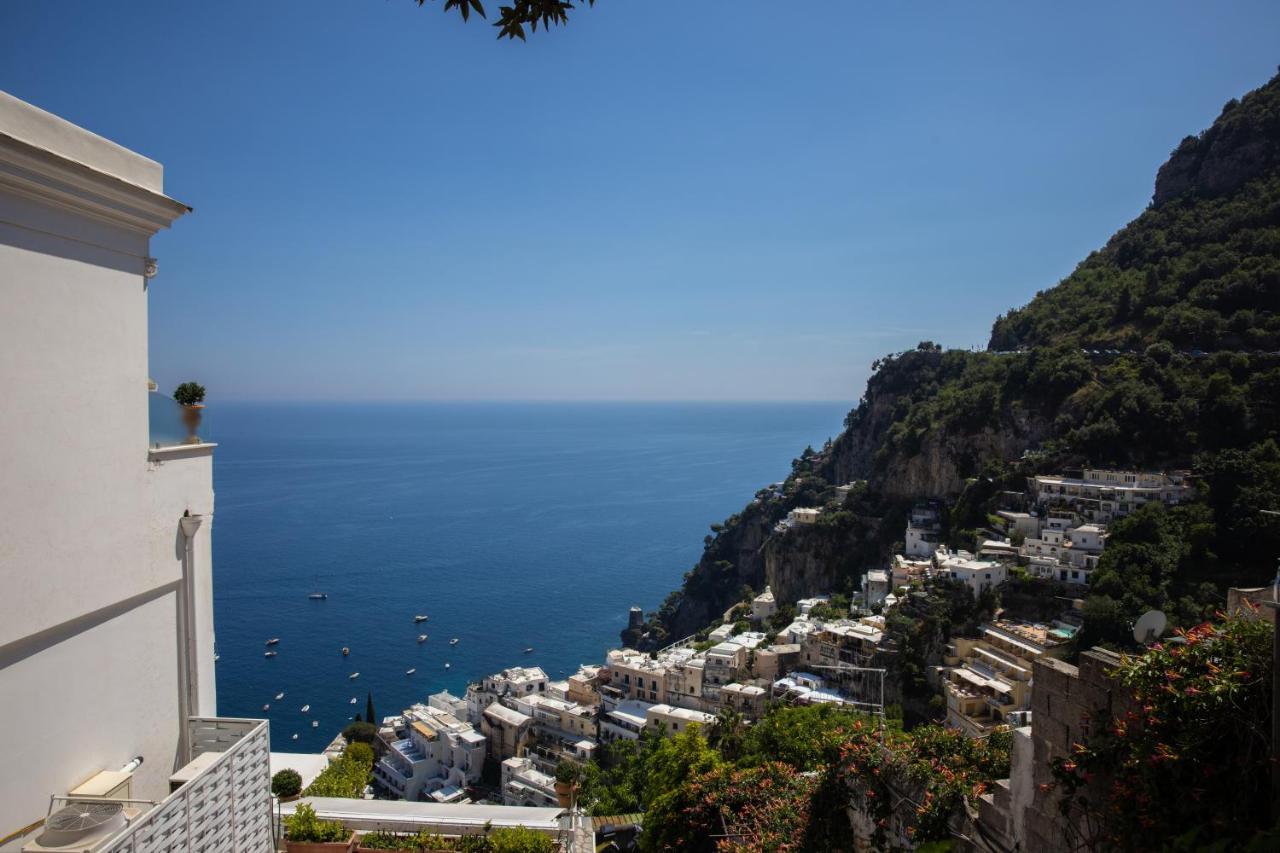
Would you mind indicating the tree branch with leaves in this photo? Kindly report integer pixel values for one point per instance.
(519, 15)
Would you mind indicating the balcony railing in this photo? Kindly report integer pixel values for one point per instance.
(227, 807)
(165, 422)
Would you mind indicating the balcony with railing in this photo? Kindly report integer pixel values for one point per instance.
(224, 806)
(171, 425)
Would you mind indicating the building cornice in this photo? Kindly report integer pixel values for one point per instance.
(38, 173)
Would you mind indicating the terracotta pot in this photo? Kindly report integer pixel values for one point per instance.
(191, 419)
(321, 846)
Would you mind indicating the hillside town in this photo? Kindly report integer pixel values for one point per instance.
(764, 654)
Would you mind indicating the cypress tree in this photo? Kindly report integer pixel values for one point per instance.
(368, 709)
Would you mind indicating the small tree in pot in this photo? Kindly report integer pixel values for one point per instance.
(568, 773)
(287, 784)
(190, 396)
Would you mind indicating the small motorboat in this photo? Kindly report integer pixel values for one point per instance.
(422, 638)
(353, 701)
(345, 651)
(411, 670)
(454, 641)
(318, 596)
(217, 658)
(447, 665)
(419, 618)
(279, 695)
(295, 737)
(266, 707)
(354, 675)
(273, 641)
(269, 654)
(306, 708)
(528, 650)
(315, 724)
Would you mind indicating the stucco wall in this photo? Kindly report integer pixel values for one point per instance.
(91, 553)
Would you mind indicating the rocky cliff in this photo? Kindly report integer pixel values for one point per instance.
(1153, 352)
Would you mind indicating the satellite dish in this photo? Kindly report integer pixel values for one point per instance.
(1149, 627)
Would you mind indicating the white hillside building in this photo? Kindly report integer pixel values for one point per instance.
(106, 633)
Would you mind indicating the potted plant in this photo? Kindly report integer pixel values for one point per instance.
(287, 785)
(306, 833)
(567, 775)
(190, 396)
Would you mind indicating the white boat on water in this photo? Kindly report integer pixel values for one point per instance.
(529, 650)
(266, 707)
(315, 724)
(454, 641)
(295, 737)
(419, 618)
(318, 596)
(353, 701)
(273, 641)
(447, 665)
(306, 708)
(411, 670)
(422, 638)
(279, 695)
(355, 675)
(269, 654)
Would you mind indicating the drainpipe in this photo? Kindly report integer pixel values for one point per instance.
(188, 694)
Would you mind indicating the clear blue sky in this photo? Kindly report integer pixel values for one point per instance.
(666, 200)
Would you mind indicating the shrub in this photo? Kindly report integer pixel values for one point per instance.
(568, 771)
(303, 825)
(286, 783)
(345, 777)
(380, 840)
(361, 733)
(188, 394)
(520, 839)
(359, 751)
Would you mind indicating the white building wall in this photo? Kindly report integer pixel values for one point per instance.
(91, 554)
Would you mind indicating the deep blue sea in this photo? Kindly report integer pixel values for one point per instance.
(509, 525)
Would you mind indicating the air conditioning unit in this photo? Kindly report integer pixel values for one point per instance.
(82, 826)
(104, 785)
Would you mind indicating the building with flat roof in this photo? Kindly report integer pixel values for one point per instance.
(502, 687)
(963, 567)
(523, 784)
(429, 754)
(1103, 495)
(626, 721)
(507, 730)
(924, 530)
(108, 507)
(987, 679)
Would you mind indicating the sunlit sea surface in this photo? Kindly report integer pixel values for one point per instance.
(510, 526)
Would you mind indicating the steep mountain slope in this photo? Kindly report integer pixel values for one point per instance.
(1155, 352)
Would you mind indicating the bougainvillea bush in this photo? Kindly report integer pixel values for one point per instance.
(763, 808)
(913, 785)
(1189, 764)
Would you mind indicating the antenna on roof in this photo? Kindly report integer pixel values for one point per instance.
(1149, 627)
